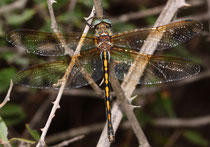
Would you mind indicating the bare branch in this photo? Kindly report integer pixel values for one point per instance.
(148, 12)
(67, 142)
(173, 138)
(64, 80)
(98, 6)
(178, 122)
(74, 132)
(7, 98)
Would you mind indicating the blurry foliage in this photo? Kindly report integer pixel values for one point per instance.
(5, 75)
(196, 138)
(162, 106)
(147, 118)
(4, 2)
(12, 114)
(18, 19)
(4, 136)
(16, 141)
(33, 133)
(159, 137)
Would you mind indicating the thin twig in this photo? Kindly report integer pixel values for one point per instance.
(173, 138)
(178, 122)
(63, 82)
(129, 85)
(148, 12)
(7, 98)
(99, 10)
(74, 132)
(39, 114)
(54, 25)
(68, 51)
(67, 142)
(72, 5)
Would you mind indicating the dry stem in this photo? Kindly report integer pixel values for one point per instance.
(65, 77)
(7, 98)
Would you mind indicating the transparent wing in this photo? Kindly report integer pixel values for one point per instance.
(172, 35)
(159, 69)
(47, 44)
(45, 75)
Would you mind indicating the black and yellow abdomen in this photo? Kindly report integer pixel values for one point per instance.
(106, 57)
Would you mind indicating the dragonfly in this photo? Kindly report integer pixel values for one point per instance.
(99, 50)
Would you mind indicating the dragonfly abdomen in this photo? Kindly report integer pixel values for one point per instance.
(105, 57)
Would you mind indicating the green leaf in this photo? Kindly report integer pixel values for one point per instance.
(22, 140)
(5, 76)
(8, 56)
(15, 19)
(13, 114)
(3, 131)
(196, 138)
(33, 133)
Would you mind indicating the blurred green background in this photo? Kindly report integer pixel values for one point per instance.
(82, 107)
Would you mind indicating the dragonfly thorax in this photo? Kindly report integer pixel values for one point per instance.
(104, 42)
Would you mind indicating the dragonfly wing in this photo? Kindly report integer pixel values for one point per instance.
(172, 35)
(159, 69)
(47, 74)
(47, 44)
(93, 66)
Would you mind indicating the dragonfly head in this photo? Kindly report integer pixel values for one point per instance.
(97, 21)
(102, 26)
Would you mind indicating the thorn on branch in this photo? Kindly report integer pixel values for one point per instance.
(53, 1)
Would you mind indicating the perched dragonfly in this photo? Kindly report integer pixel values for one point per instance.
(102, 48)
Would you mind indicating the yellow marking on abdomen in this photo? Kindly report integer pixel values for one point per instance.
(109, 117)
(107, 103)
(107, 91)
(105, 63)
(106, 81)
(106, 76)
